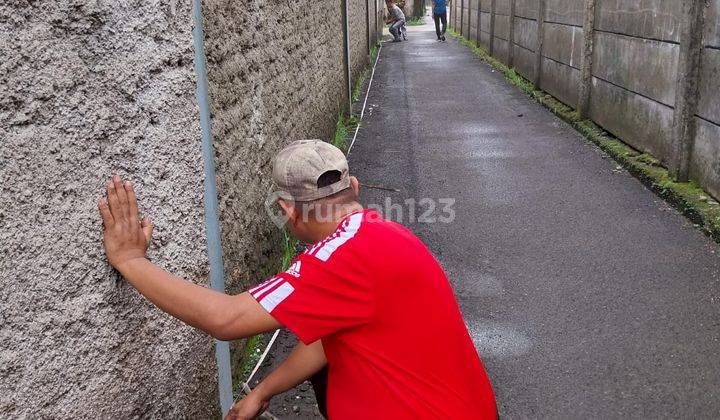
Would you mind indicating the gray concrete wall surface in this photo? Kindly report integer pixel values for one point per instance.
(93, 88)
(634, 67)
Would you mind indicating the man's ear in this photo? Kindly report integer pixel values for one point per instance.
(289, 209)
(355, 184)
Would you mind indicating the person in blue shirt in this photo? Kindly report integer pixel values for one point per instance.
(439, 11)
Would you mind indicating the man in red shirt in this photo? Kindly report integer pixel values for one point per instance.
(367, 299)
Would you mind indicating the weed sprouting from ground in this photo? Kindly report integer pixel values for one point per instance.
(346, 124)
(415, 21)
(290, 250)
(359, 81)
(341, 131)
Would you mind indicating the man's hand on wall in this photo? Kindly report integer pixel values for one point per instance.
(125, 237)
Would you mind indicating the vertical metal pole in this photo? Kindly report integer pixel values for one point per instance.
(212, 220)
(492, 26)
(367, 25)
(540, 41)
(587, 59)
(686, 92)
(346, 54)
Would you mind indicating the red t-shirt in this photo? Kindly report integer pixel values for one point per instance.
(394, 338)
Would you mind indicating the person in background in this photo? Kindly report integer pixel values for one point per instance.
(396, 20)
(439, 13)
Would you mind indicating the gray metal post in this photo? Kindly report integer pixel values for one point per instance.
(367, 25)
(587, 59)
(346, 55)
(492, 27)
(686, 93)
(540, 40)
(212, 218)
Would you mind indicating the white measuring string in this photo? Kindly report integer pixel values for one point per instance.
(262, 357)
(362, 112)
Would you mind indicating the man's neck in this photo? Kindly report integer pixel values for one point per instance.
(325, 228)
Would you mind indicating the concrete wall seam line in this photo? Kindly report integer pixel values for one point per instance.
(688, 82)
(587, 59)
(346, 54)
(212, 220)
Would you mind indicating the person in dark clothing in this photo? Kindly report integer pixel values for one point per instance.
(439, 11)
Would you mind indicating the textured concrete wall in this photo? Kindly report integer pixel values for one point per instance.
(90, 88)
(358, 36)
(268, 86)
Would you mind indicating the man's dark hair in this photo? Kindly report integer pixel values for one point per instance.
(328, 178)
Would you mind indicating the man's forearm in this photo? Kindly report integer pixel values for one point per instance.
(193, 304)
(302, 363)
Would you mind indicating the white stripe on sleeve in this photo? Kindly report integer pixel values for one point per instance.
(265, 286)
(273, 299)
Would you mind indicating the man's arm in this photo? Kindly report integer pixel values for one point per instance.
(126, 240)
(303, 362)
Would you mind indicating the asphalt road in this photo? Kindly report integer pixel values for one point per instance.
(586, 295)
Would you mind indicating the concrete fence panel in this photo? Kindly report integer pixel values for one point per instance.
(560, 80)
(709, 104)
(525, 33)
(474, 5)
(711, 36)
(705, 158)
(568, 12)
(502, 7)
(526, 9)
(641, 122)
(564, 44)
(642, 66)
(652, 19)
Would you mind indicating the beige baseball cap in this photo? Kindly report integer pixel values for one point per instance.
(298, 166)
